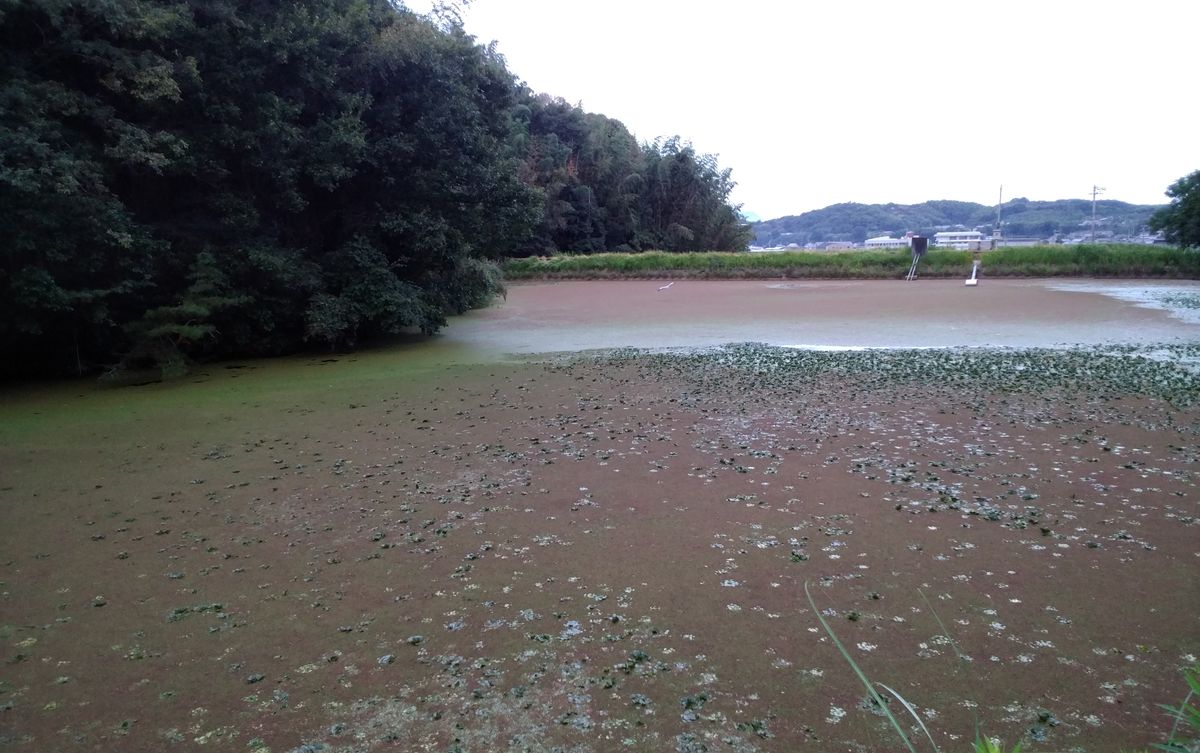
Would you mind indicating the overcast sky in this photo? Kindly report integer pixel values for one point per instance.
(815, 102)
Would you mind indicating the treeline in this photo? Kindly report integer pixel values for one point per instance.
(214, 178)
(854, 223)
(605, 192)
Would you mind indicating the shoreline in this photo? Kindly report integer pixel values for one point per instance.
(1117, 261)
(800, 274)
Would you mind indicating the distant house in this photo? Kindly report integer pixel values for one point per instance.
(885, 241)
(838, 245)
(962, 240)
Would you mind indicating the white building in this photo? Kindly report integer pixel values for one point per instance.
(884, 241)
(962, 240)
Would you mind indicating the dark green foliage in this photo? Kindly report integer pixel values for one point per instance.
(1180, 220)
(211, 178)
(604, 192)
(74, 259)
(1021, 217)
(685, 206)
(185, 179)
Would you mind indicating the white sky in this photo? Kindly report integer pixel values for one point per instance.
(815, 102)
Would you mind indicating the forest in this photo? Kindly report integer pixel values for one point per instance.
(203, 179)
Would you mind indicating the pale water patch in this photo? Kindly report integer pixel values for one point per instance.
(859, 348)
(1180, 300)
(827, 348)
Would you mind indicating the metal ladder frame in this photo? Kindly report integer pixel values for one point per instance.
(912, 270)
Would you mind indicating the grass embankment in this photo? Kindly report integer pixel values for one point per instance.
(1035, 261)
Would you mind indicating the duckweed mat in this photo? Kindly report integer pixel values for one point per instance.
(607, 553)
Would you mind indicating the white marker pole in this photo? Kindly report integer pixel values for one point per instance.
(974, 280)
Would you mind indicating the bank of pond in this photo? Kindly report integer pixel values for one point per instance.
(1085, 260)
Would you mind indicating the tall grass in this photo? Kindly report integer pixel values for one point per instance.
(1093, 261)
(874, 694)
(716, 265)
(1034, 261)
(981, 744)
(1186, 713)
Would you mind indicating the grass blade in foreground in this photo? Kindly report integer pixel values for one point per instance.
(913, 713)
(958, 652)
(1186, 713)
(861, 675)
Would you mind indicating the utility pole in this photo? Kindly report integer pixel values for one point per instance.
(996, 235)
(1095, 190)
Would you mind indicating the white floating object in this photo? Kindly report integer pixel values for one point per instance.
(664, 287)
(974, 279)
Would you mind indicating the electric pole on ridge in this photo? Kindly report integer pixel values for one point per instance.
(1095, 190)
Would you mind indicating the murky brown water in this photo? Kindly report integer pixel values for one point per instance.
(570, 316)
(391, 550)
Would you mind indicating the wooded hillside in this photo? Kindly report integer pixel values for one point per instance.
(211, 178)
(855, 223)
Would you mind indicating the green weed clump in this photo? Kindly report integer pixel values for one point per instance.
(1186, 714)
(986, 745)
(1085, 260)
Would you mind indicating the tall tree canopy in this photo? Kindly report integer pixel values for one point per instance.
(604, 192)
(686, 201)
(1180, 220)
(206, 178)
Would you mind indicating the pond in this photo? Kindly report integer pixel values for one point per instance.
(446, 538)
(556, 317)
(575, 316)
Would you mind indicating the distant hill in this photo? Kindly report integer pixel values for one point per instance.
(1021, 217)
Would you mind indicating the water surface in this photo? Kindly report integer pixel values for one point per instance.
(577, 315)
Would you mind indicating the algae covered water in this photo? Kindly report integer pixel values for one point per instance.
(438, 546)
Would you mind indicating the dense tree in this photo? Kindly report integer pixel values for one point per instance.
(686, 201)
(572, 220)
(604, 192)
(75, 261)
(1180, 220)
(205, 178)
(217, 177)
